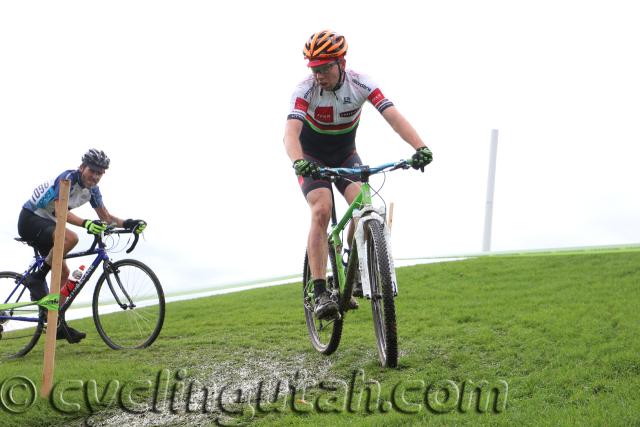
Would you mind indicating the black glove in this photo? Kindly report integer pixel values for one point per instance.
(421, 158)
(306, 167)
(135, 225)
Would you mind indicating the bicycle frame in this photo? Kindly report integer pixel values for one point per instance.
(362, 199)
(37, 263)
(98, 249)
(101, 257)
(362, 210)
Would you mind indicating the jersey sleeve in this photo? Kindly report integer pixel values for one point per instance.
(300, 100)
(372, 92)
(96, 198)
(42, 199)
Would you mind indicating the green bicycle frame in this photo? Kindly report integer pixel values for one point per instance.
(362, 199)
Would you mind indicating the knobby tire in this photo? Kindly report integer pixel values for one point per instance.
(319, 329)
(382, 299)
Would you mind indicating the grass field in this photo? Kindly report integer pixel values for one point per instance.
(557, 337)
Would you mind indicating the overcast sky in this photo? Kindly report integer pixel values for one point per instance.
(189, 99)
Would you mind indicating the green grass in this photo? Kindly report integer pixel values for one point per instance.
(562, 331)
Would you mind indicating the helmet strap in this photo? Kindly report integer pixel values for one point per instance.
(341, 77)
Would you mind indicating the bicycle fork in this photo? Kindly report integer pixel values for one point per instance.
(369, 213)
(110, 271)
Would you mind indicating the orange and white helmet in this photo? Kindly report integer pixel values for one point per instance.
(324, 47)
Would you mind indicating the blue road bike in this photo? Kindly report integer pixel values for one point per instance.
(128, 301)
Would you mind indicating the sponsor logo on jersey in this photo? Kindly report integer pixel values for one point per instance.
(376, 97)
(349, 113)
(346, 100)
(362, 85)
(301, 105)
(308, 92)
(324, 114)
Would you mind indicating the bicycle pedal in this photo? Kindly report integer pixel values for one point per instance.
(336, 316)
(330, 318)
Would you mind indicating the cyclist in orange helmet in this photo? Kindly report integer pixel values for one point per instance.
(320, 132)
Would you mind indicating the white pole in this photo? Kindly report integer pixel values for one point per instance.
(488, 213)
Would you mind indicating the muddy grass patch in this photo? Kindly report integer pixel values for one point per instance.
(229, 392)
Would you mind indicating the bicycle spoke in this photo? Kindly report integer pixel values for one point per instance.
(324, 334)
(128, 305)
(18, 335)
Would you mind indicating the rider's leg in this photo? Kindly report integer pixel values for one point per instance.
(70, 242)
(64, 330)
(320, 203)
(317, 251)
(39, 232)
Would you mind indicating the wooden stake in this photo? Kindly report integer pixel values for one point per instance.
(390, 216)
(56, 273)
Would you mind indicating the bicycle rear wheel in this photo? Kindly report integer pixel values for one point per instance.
(382, 304)
(324, 334)
(128, 305)
(17, 337)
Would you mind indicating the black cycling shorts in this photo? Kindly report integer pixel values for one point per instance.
(37, 230)
(308, 184)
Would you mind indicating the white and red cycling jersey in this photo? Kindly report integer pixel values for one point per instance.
(331, 118)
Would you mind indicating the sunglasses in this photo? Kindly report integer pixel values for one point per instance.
(96, 171)
(322, 69)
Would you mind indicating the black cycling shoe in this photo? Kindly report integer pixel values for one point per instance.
(357, 286)
(353, 304)
(65, 331)
(357, 290)
(326, 307)
(37, 287)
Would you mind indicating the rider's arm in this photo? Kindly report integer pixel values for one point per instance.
(292, 139)
(402, 127)
(71, 217)
(105, 216)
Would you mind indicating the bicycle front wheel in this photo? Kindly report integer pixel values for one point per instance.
(382, 304)
(20, 328)
(324, 334)
(128, 305)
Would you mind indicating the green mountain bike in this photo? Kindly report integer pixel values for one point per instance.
(369, 261)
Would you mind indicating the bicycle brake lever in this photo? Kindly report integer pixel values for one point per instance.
(135, 242)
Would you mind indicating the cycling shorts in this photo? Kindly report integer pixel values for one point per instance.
(38, 231)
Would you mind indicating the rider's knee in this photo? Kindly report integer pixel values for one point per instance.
(320, 214)
(70, 238)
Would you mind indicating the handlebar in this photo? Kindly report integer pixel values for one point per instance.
(364, 171)
(112, 229)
